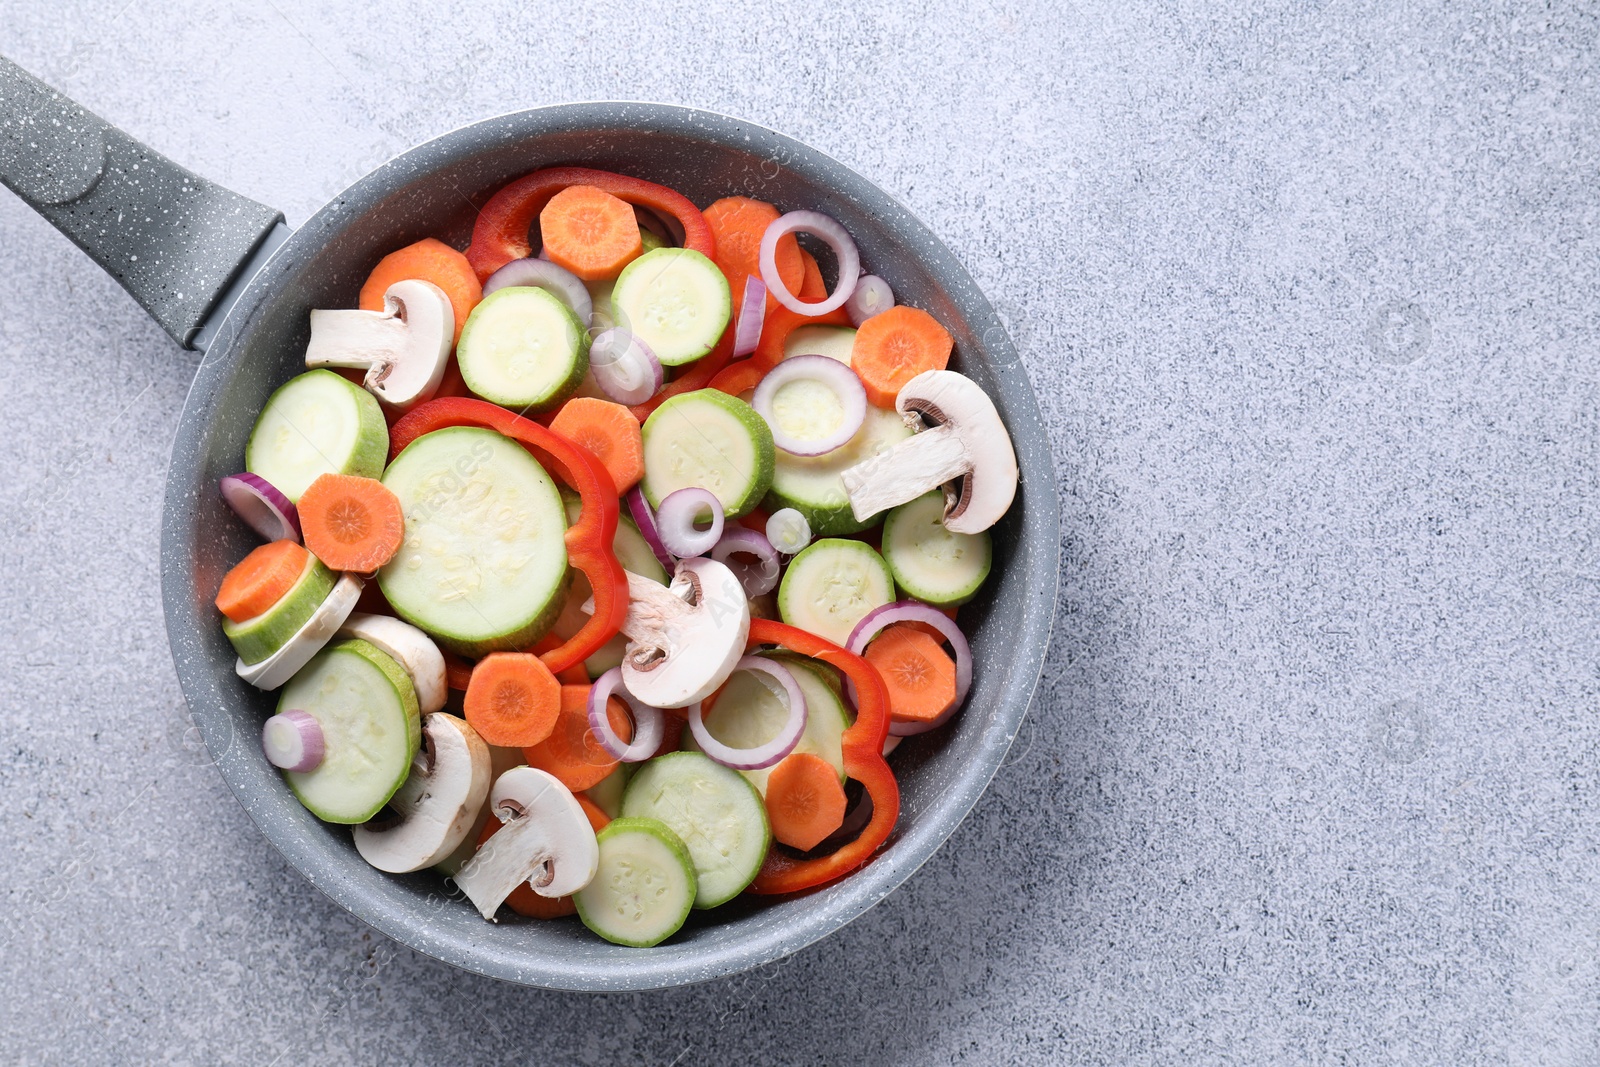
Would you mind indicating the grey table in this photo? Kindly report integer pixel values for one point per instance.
(1311, 296)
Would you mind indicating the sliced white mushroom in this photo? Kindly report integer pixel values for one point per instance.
(403, 348)
(436, 805)
(685, 639)
(964, 442)
(307, 641)
(408, 646)
(546, 841)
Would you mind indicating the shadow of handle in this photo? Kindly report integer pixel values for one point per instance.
(172, 239)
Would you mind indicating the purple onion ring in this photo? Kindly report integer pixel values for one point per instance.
(647, 724)
(752, 316)
(645, 519)
(292, 740)
(757, 577)
(837, 238)
(916, 611)
(624, 367)
(263, 508)
(676, 518)
(872, 297)
(769, 752)
(832, 375)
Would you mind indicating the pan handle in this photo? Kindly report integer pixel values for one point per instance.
(174, 240)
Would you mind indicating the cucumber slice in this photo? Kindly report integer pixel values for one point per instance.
(831, 585)
(366, 707)
(747, 714)
(257, 638)
(483, 566)
(835, 342)
(676, 301)
(644, 887)
(607, 793)
(523, 348)
(928, 561)
(709, 439)
(716, 811)
(317, 423)
(812, 486)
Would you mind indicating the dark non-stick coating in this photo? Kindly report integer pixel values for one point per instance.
(432, 190)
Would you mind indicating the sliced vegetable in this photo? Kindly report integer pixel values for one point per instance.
(912, 611)
(351, 523)
(920, 677)
(739, 223)
(589, 232)
(717, 813)
(967, 442)
(835, 342)
(308, 640)
(404, 348)
(646, 736)
(513, 700)
(679, 520)
(257, 638)
(676, 301)
(431, 261)
(788, 531)
(812, 404)
(872, 297)
(751, 557)
(367, 710)
(833, 585)
(545, 842)
(261, 579)
(572, 753)
(752, 313)
(928, 561)
(411, 648)
(609, 432)
(483, 566)
(264, 509)
(710, 440)
(559, 282)
(435, 807)
(644, 884)
(623, 367)
(895, 346)
(292, 740)
(684, 641)
(645, 519)
(805, 801)
(756, 757)
(831, 233)
(607, 792)
(814, 485)
(523, 348)
(316, 423)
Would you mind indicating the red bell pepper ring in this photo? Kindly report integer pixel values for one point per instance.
(501, 232)
(863, 761)
(588, 541)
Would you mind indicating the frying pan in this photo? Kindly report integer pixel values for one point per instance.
(224, 274)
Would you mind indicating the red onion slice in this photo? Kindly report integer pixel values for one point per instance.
(837, 238)
(788, 531)
(293, 740)
(559, 282)
(266, 511)
(647, 723)
(676, 518)
(645, 519)
(916, 611)
(752, 316)
(832, 375)
(758, 576)
(770, 752)
(624, 367)
(872, 297)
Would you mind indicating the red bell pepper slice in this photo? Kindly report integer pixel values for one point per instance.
(863, 761)
(588, 542)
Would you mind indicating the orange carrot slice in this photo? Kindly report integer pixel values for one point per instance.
(895, 346)
(432, 261)
(738, 223)
(919, 674)
(351, 523)
(590, 232)
(607, 430)
(572, 753)
(261, 579)
(512, 700)
(805, 801)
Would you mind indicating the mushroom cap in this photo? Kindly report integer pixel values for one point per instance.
(546, 841)
(985, 492)
(437, 803)
(689, 654)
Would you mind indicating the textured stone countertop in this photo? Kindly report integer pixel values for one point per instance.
(1311, 297)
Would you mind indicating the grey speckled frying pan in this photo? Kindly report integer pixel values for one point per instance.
(224, 274)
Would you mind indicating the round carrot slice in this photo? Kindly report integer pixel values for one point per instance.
(512, 699)
(261, 579)
(919, 674)
(895, 346)
(590, 232)
(805, 801)
(351, 523)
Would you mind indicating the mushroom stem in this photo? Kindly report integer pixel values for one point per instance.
(652, 609)
(921, 463)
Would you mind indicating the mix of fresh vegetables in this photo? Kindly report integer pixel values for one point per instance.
(603, 580)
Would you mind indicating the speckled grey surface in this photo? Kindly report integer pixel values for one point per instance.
(1309, 298)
